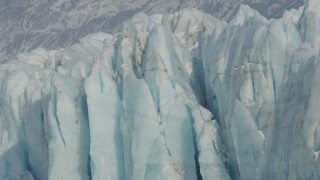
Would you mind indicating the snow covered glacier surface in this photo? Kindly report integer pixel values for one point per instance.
(180, 96)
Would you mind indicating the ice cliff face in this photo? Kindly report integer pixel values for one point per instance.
(180, 96)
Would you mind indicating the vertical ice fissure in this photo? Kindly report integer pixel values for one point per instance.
(57, 119)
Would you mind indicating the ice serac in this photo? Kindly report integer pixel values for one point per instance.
(154, 76)
(67, 130)
(104, 112)
(178, 96)
(262, 75)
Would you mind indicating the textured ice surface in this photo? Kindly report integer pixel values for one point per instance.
(178, 96)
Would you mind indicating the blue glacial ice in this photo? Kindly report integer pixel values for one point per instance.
(178, 96)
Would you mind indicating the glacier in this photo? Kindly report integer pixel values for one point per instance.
(176, 96)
